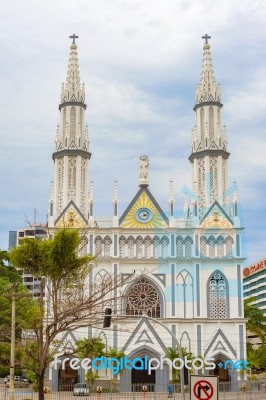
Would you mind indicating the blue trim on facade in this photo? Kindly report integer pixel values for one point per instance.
(172, 245)
(237, 245)
(115, 289)
(174, 332)
(173, 288)
(239, 289)
(91, 243)
(197, 245)
(115, 338)
(199, 340)
(115, 244)
(198, 289)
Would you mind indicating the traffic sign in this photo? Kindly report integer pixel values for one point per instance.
(203, 387)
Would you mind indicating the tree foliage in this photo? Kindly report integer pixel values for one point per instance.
(72, 299)
(256, 319)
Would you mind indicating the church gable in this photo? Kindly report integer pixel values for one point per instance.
(144, 333)
(71, 217)
(143, 212)
(216, 217)
(220, 344)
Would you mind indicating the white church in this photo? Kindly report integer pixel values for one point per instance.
(193, 265)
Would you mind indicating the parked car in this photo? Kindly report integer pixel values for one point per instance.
(18, 383)
(81, 389)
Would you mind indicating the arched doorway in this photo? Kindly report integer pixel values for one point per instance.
(157, 380)
(141, 377)
(67, 378)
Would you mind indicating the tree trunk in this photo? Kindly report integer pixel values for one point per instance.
(41, 384)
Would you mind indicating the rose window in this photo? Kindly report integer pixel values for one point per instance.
(143, 299)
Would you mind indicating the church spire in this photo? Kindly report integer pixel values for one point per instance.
(72, 90)
(209, 140)
(71, 156)
(207, 90)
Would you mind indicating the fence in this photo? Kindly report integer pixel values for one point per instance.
(227, 391)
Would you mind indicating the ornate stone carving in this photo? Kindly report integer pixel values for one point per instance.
(143, 171)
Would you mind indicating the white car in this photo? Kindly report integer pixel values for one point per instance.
(81, 389)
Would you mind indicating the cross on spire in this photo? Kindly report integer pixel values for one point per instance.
(73, 37)
(206, 37)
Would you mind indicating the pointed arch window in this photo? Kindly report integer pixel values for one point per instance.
(211, 125)
(179, 247)
(72, 124)
(185, 280)
(229, 241)
(188, 246)
(130, 247)
(211, 243)
(218, 299)
(122, 246)
(139, 247)
(202, 126)
(142, 299)
(203, 246)
(147, 247)
(220, 247)
(107, 241)
(164, 246)
(156, 247)
(98, 246)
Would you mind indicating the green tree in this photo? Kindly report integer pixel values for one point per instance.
(256, 319)
(72, 300)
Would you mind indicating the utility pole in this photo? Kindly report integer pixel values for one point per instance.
(13, 342)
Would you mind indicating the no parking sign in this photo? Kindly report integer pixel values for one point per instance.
(203, 387)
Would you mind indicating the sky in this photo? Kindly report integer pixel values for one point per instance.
(140, 61)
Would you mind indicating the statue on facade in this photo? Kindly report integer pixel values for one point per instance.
(143, 171)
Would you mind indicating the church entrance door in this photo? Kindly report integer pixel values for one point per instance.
(140, 378)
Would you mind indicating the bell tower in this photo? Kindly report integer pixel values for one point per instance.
(209, 140)
(71, 156)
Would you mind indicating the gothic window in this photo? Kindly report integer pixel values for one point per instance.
(224, 176)
(156, 247)
(217, 291)
(72, 124)
(220, 247)
(71, 178)
(147, 247)
(60, 184)
(229, 246)
(211, 243)
(51, 209)
(188, 246)
(83, 246)
(122, 246)
(202, 126)
(139, 247)
(83, 183)
(130, 247)
(80, 117)
(98, 246)
(185, 341)
(213, 178)
(211, 125)
(102, 281)
(184, 283)
(64, 121)
(203, 246)
(179, 247)
(143, 299)
(201, 184)
(107, 241)
(164, 246)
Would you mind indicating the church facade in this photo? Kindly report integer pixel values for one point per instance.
(191, 267)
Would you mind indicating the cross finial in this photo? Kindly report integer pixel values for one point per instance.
(206, 37)
(73, 37)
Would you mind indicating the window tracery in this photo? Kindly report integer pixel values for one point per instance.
(98, 246)
(211, 242)
(130, 247)
(203, 246)
(164, 246)
(107, 241)
(143, 299)
(220, 247)
(122, 246)
(218, 296)
(229, 246)
(147, 247)
(139, 247)
(179, 247)
(156, 246)
(188, 246)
